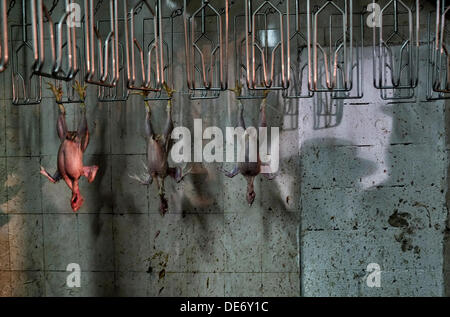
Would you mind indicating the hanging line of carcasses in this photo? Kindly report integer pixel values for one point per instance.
(299, 48)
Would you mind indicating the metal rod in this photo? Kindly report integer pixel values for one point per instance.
(4, 46)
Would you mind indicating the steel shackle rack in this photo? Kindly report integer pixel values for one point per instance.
(298, 53)
(58, 49)
(335, 51)
(266, 45)
(396, 49)
(148, 74)
(26, 85)
(101, 54)
(438, 79)
(297, 48)
(120, 91)
(206, 47)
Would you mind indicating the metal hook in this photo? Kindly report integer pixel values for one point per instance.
(22, 80)
(260, 59)
(206, 80)
(397, 75)
(107, 50)
(297, 59)
(151, 73)
(436, 89)
(70, 94)
(38, 11)
(438, 55)
(120, 92)
(335, 55)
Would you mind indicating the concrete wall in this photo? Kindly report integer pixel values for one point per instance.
(358, 184)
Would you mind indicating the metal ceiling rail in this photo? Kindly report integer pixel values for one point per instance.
(206, 48)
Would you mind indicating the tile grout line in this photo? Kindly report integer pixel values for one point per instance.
(78, 237)
(226, 265)
(42, 210)
(111, 191)
(300, 205)
(8, 217)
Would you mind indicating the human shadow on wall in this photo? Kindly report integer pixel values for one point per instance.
(7, 192)
(100, 158)
(122, 114)
(103, 196)
(200, 198)
(291, 115)
(328, 166)
(446, 239)
(407, 202)
(128, 145)
(201, 189)
(394, 211)
(280, 199)
(22, 132)
(327, 112)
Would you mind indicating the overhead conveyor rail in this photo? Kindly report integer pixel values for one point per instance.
(295, 48)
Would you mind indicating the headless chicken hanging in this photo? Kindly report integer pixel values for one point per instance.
(250, 169)
(73, 145)
(158, 149)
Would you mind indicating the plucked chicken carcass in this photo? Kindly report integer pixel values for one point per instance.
(70, 154)
(158, 149)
